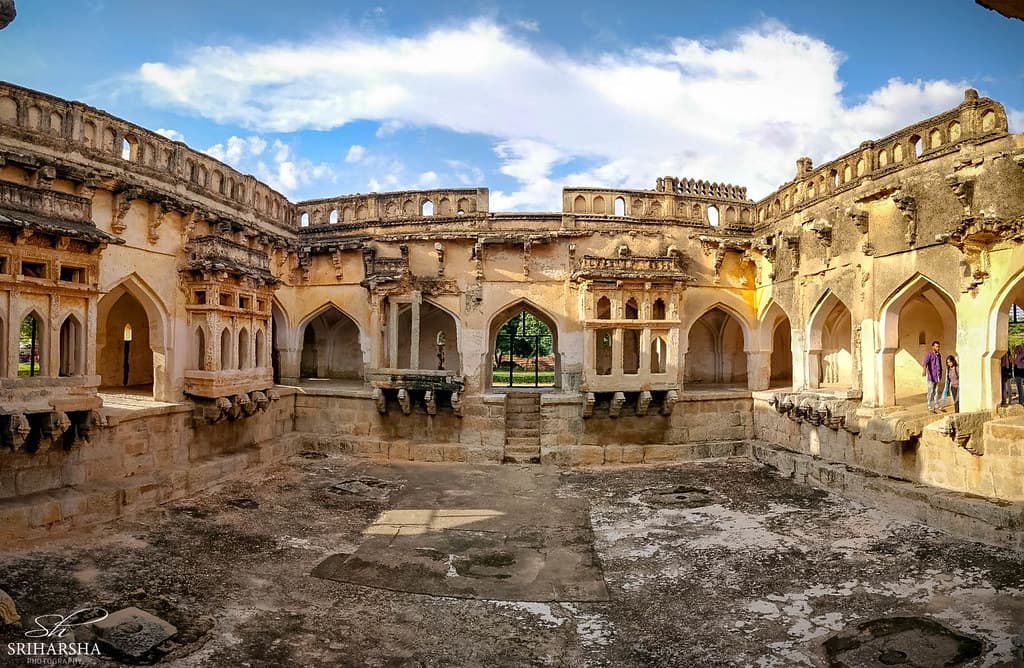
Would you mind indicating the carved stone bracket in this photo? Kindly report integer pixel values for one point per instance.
(527, 253)
(380, 401)
(336, 260)
(671, 399)
(907, 206)
(859, 217)
(975, 236)
(823, 230)
(643, 403)
(792, 241)
(615, 407)
(588, 404)
(439, 250)
(716, 248)
(404, 401)
(963, 189)
(156, 219)
(430, 399)
(122, 204)
(457, 403)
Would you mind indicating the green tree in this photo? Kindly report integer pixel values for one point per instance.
(527, 334)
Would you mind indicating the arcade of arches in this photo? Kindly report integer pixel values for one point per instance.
(628, 326)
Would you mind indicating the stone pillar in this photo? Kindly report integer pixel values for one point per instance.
(796, 349)
(645, 352)
(414, 335)
(289, 361)
(759, 369)
(617, 352)
(393, 335)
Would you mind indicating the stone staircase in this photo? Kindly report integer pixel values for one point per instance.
(522, 428)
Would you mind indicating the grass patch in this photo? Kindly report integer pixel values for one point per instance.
(23, 369)
(500, 378)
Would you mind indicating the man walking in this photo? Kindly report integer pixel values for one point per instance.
(933, 372)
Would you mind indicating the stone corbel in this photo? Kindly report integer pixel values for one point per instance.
(823, 230)
(248, 405)
(430, 399)
(87, 188)
(643, 403)
(615, 407)
(439, 249)
(43, 177)
(18, 429)
(527, 254)
(156, 219)
(963, 189)
(859, 217)
(380, 401)
(404, 401)
(336, 260)
(457, 404)
(234, 410)
(792, 241)
(671, 399)
(122, 204)
(261, 401)
(588, 404)
(907, 206)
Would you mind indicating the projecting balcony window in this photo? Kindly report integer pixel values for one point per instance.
(72, 274)
(33, 269)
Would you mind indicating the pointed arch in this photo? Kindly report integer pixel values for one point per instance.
(199, 356)
(243, 348)
(506, 313)
(151, 352)
(776, 335)
(997, 340)
(261, 348)
(330, 341)
(918, 309)
(71, 361)
(730, 309)
(32, 344)
(716, 345)
(829, 337)
(225, 349)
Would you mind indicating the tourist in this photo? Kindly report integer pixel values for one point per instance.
(933, 372)
(1018, 372)
(1006, 367)
(952, 383)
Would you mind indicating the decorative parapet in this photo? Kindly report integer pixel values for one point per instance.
(355, 211)
(671, 267)
(43, 202)
(214, 253)
(682, 201)
(72, 127)
(975, 119)
(416, 379)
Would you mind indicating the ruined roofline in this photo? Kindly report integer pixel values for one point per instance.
(387, 193)
(96, 133)
(973, 120)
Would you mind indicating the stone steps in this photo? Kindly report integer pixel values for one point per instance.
(522, 427)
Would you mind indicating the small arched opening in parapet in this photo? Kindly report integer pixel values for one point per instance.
(934, 138)
(954, 131)
(579, 205)
(348, 214)
(362, 212)
(915, 146)
(917, 308)
(787, 202)
(32, 346)
(656, 210)
(883, 158)
(897, 153)
(830, 344)
(463, 206)
(35, 117)
(697, 212)
(444, 207)
(304, 219)
(243, 349)
(713, 216)
(9, 114)
(239, 193)
(862, 167)
(199, 350)
(599, 205)
(632, 310)
(333, 218)
(730, 215)
(56, 123)
(744, 215)
(72, 348)
(427, 209)
(620, 206)
(225, 350)
(604, 308)
(261, 349)
(658, 309)
(716, 350)
(988, 121)
(409, 208)
(524, 348)
(88, 130)
(330, 345)
(847, 173)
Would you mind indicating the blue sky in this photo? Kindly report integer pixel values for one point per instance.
(327, 98)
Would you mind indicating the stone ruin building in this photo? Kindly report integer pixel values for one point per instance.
(168, 322)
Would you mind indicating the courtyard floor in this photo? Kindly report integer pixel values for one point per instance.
(330, 561)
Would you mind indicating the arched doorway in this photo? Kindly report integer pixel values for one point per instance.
(330, 347)
(830, 344)
(523, 349)
(781, 374)
(278, 323)
(912, 318)
(126, 359)
(715, 353)
(1006, 332)
(436, 331)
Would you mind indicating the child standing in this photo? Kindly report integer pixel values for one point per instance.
(953, 381)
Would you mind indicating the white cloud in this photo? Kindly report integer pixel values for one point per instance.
(173, 135)
(355, 153)
(428, 180)
(531, 25)
(740, 110)
(237, 148)
(1015, 119)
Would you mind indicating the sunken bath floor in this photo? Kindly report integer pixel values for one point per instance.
(712, 563)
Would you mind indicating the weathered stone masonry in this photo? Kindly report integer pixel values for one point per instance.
(684, 318)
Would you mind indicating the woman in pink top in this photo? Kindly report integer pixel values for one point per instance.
(1018, 372)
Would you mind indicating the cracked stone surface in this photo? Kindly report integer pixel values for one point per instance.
(716, 563)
